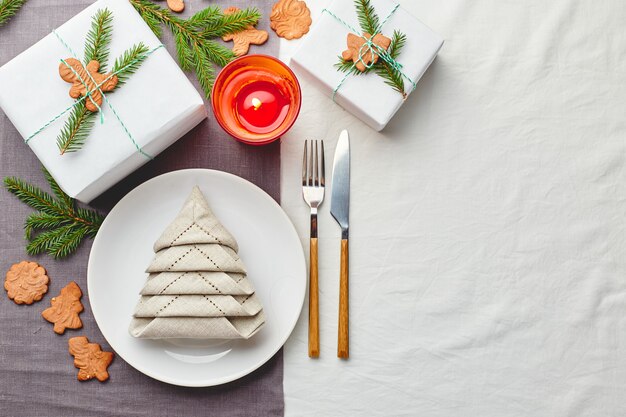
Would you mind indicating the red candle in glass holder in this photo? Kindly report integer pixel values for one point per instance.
(256, 99)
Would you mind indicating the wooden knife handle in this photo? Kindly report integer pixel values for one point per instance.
(342, 341)
(314, 329)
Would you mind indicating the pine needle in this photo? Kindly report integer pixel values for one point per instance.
(58, 226)
(194, 37)
(99, 38)
(76, 129)
(368, 19)
(8, 9)
(129, 62)
(392, 76)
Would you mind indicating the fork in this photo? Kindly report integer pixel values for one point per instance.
(313, 181)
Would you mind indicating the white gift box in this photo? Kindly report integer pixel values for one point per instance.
(157, 104)
(365, 96)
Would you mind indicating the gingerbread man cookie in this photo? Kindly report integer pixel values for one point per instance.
(290, 19)
(242, 40)
(78, 76)
(369, 56)
(26, 282)
(65, 309)
(89, 358)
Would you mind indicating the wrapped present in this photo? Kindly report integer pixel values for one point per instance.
(154, 107)
(338, 35)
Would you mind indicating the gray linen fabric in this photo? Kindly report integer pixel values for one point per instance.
(37, 376)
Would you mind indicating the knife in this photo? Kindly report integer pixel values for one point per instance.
(340, 208)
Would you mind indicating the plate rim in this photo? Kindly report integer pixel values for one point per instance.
(235, 376)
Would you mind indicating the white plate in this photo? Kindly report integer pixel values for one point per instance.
(268, 245)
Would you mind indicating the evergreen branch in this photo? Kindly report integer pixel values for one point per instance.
(61, 226)
(391, 75)
(44, 240)
(149, 12)
(222, 24)
(99, 38)
(217, 53)
(348, 66)
(183, 50)
(205, 16)
(397, 43)
(204, 69)
(129, 62)
(64, 199)
(195, 47)
(368, 19)
(76, 129)
(33, 196)
(41, 221)
(8, 9)
(67, 242)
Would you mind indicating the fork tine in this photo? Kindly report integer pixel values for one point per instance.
(304, 164)
(323, 175)
(316, 167)
(311, 164)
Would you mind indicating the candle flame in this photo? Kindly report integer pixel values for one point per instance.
(256, 103)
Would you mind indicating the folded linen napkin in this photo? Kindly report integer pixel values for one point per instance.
(197, 286)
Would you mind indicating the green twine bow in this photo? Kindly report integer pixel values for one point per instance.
(369, 47)
(89, 93)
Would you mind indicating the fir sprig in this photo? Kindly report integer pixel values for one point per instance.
(99, 38)
(58, 226)
(370, 23)
(391, 75)
(8, 8)
(129, 62)
(76, 129)
(80, 122)
(368, 19)
(196, 47)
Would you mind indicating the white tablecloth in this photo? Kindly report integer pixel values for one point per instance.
(488, 232)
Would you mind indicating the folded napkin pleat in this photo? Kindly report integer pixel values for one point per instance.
(197, 306)
(201, 257)
(196, 327)
(197, 285)
(202, 282)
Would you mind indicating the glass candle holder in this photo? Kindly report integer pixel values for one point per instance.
(256, 99)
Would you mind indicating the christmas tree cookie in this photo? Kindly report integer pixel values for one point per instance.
(197, 287)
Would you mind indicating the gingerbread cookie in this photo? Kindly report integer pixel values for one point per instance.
(89, 358)
(176, 5)
(65, 309)
(79, 76)
(26, 282)
(369, 56)
(290, 19)
(242, 40)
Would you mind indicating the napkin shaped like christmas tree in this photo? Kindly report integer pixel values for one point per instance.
(197, 287)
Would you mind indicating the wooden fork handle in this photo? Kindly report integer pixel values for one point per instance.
(314, 330)
(342, 340)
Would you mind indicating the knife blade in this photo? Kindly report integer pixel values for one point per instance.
(340, 209)
(340, 188)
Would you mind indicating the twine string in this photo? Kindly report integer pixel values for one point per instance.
(369, 47)
(90, 91)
